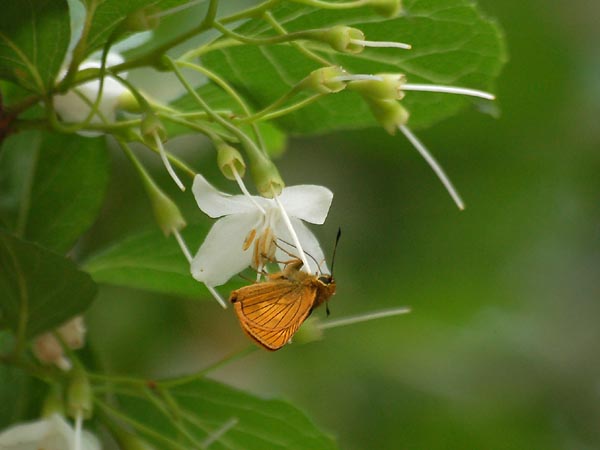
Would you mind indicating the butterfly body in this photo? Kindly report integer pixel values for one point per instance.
(270, 312)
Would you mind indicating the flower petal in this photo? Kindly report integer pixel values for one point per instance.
(51, 433)
(308, 241)
(221, 255)
(215, 204)
(307, 202)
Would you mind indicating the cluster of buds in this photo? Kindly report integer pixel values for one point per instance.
(48, 347)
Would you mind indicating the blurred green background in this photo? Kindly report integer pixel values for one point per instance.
(502, 349)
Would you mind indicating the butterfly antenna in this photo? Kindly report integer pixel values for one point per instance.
(337, 239)
(290, 254)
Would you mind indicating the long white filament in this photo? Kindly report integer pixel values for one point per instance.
(364, 317)
(217, 296)
(290, 227)
(448, 90)
(385, 44)
(167, 164)
(434, 165)
(244, 190)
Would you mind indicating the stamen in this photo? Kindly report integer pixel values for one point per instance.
(448, 90)
(434, 165)
(216, 295)
(290, 227)
(386, 44)
(249, 239)
(182, 245)
(78, 428)
(364, 317)
(358, 77)
(165, 160)
(242, 186)
(219, 432)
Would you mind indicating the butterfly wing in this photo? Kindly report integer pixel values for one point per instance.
(272, 311)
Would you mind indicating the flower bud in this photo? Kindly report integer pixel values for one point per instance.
(143, 19)
(386, 8)
(388, 88)
(79, 395)
(54, 402)
(389, 113)
(150, 127)
(310, 331)
(166, 212)
(228, 159)
(128, 102)
(48, 349)
(266, 178)
(340, 38)
(324, 80)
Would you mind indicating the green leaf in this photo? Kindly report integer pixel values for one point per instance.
(150, 261)
(40, 289)
(205, 406)
(34, 37)
(110, 13)
(23, 393)
(453, 44)
(52, 186)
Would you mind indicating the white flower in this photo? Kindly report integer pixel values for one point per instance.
(51, 433)
(251, 225)
(72, 108)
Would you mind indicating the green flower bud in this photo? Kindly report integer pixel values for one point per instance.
(150, 126)
(143, 19)
(386, 8)
(228, 158)
(79, 395)
(166, 212)
(324, 80)
(340, 38)
(310, 331)
(128, 102)
(54, 402)
(266, 177)
(389, 113)
(389, 88)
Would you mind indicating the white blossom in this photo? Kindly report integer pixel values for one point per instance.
(251, 227)
(50, 433)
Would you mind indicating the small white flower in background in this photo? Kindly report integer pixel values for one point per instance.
(72, 108)
(48, 349)
(50, 433)
(249, 226)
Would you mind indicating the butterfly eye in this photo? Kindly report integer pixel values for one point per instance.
(325, 279)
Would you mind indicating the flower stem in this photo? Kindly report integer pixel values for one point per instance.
(183, 246)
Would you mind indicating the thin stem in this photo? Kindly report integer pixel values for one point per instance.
(358, 77)
(289, 109)
(182, 245)
(295, 239)
(328, 5)
(216, 295)
(364, 317)
(78, 428)
(297, 45)
(383, 44)
(448, 90)
(165, 160)
(434, 165)
(193, 377)
(109, 410)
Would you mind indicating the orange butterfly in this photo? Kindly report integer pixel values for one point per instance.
(270, 312)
